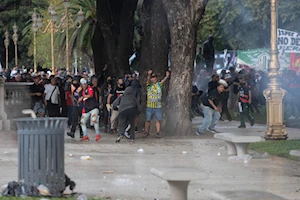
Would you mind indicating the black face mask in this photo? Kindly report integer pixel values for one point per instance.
(109, 82)
(76, 85)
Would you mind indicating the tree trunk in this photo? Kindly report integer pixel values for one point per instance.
(125, 38)
(183, 17)
(155, 45)
(115, 18)
(99, 49)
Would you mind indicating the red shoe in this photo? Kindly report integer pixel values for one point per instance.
(98, 137)
(85, 138)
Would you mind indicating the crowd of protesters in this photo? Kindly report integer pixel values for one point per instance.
(88, 100)
(244, 93)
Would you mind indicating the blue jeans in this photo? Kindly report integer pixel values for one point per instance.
(154, 112)
(211, 117)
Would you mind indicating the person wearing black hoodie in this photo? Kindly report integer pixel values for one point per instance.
(128, 107)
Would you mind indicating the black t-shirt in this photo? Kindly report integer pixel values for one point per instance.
(119, 91)
(236, 86)
(37, 89)
(105, 91)
(244, 92)
(215, 96)
(212, 85)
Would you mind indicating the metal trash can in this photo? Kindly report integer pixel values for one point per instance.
(41, 152)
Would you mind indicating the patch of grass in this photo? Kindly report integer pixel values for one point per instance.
(258, 118)
(279, 148)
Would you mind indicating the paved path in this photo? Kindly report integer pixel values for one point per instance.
(269, 177)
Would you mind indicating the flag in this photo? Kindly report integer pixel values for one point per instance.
(295, 62)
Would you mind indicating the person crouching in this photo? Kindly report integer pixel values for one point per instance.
(128, 107)
(211, 108)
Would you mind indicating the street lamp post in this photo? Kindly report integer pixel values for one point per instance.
(15, 39)
(66, 18)
(53, 18)
(274, 94)
(65, 23)
(37, 23)
(67, 6)
(6, 43)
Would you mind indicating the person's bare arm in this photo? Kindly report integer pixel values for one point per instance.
(166, 77)
(149, 74)
(109, 98)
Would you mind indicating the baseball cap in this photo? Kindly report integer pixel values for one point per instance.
(223, 82)
(153, 75)
(227, 76)
(83, 81)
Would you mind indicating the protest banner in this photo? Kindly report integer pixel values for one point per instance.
(288, 41)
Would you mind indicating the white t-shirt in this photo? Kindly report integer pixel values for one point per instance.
(48, 91)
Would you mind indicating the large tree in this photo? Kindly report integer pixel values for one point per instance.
(155, 43)
(183, 17)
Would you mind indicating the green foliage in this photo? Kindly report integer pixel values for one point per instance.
(245, 24)
(20, 12)
(80, 38)
(277, 148)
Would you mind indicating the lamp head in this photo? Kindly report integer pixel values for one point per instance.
(50, 9)
(80, 16)
(39, 22)
(15, 28)
(67, 4)
(34, 16)
(6, 34)
(53, 16)
(35, 27)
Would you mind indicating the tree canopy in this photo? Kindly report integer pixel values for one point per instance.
(19, 12)
(245, 24)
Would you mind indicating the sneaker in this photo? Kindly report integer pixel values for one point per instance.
(292, 117)
(221, 119)
(127, 135)
(158, 135)
(72, 135)
(242, 126)
(72, 185)
(132, 140)
(98, 137)
(81, 135)
(85, 138)
(252, 122)
(146, 134)
(198, 133)
(213, 130)
(119, 139)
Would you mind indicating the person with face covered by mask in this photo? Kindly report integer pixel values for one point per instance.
(76, 109)
(105, 92)
(209, 54)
